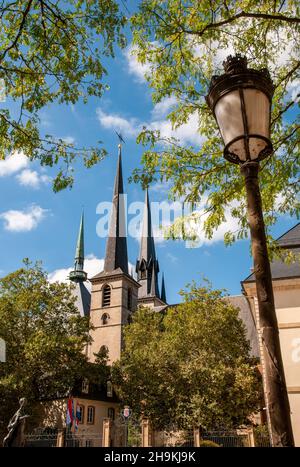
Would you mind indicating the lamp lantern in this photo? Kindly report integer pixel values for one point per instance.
(240, 100)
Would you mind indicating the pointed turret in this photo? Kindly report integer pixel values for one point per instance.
(116, 246)
(163, 290)
(147, 266)
(154, 292)
(78, 274)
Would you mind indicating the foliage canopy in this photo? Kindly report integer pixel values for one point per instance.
(53, 52)
(189, 366)
(184, 44)
(45, 337)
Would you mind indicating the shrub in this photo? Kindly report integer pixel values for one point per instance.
(208, 444)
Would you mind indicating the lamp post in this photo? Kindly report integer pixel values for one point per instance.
(240, 100)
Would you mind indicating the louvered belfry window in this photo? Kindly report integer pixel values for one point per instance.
(106, 293)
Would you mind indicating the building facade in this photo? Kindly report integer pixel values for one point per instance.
(286, 287)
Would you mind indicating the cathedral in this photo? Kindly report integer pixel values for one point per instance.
(116, 293)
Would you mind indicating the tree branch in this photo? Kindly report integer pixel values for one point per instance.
(243, 14)
(13, 44)
(290, 104)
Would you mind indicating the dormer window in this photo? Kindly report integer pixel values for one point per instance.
(106, 293)
(109, 389)
(85, 386)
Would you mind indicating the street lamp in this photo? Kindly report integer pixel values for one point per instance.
(240, 100)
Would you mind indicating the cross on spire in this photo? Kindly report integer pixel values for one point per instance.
(121, 139)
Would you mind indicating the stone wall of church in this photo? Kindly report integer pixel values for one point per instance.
(109, 333)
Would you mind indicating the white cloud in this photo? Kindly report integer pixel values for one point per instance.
(31, 178)
(161, 109)
(92, 266)
(172, 258)
(186, 133)
(135, 68)
(17, 164)
(23, 221)
(160, 187)
(194, 225)
(60, 275)
(12, 164)
(68, 139)
(293, 89)
(129, 127)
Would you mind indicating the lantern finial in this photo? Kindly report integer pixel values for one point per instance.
(236, 64)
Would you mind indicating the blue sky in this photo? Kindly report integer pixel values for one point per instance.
(41, 225)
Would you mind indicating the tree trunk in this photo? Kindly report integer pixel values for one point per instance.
(276, 397)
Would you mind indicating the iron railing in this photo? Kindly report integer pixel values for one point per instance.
(80, 440)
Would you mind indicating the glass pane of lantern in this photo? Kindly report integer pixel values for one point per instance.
(258, 112)
(229, 116)
(258, 117)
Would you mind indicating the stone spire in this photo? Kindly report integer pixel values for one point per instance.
(154, 292)
(116, 245)
(147, 267)
(78, 274)
(163, 290)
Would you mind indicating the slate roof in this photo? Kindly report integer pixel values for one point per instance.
(291, 238)
(97, 392)
(241, 302)
(147, 261)
(279, 269)
(83, 299)
(116, 245)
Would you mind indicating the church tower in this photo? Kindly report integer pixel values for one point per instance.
(114, 292)
(79, 276)
(147, 267)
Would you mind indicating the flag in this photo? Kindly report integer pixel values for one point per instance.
(70, 412)
(78, 416)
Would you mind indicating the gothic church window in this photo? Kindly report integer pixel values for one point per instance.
(143, 269)
(106, 293)
(104, 318)
(103, 350)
